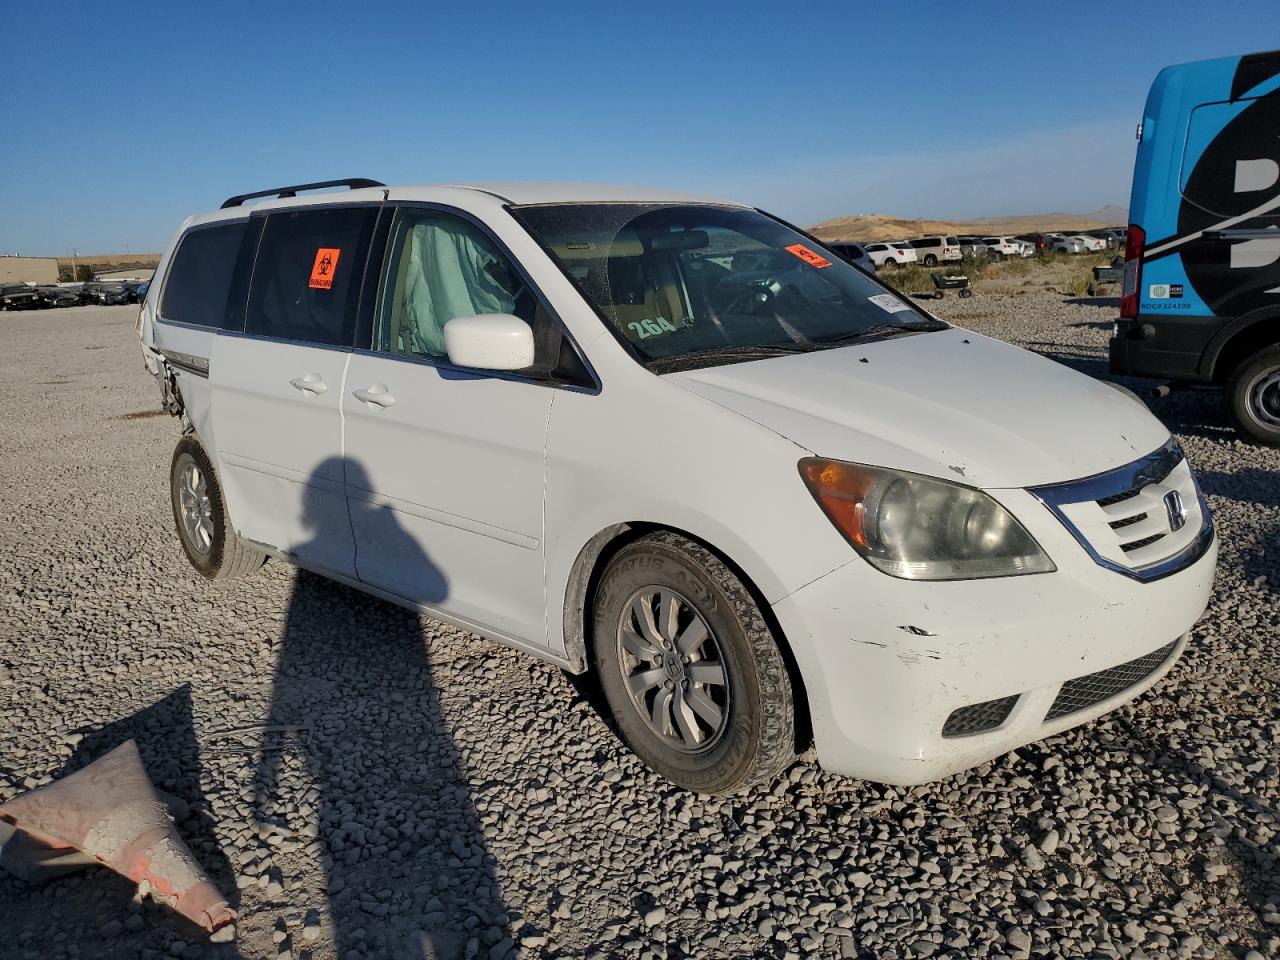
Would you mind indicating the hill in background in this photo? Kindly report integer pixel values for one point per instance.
(879, 226)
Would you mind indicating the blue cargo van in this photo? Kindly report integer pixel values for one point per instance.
(1201, 300)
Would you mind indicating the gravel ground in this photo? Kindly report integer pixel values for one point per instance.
(365, 782)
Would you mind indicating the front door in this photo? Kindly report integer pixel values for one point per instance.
(444, 465)
(277, 386)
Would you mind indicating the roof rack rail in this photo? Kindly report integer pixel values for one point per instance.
(354, 183)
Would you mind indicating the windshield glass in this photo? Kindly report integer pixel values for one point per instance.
(709, 283)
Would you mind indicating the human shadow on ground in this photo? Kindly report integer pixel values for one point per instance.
(401, 846)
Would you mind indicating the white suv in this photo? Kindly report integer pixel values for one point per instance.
(890, 254)
(674, 443)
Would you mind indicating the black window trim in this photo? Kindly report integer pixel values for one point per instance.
(173, 259)
(373, 281)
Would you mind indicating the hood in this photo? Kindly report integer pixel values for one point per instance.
(950, 404)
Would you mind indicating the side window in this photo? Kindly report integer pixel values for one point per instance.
(306, 280)
(440, 266)
(198, 286)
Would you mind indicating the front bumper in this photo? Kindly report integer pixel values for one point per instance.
(885, 662)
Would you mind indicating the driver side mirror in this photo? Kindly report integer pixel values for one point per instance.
(490, 341)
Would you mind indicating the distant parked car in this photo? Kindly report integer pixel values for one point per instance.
(145, 285)
(1002, 247)
(1068, 245)
(55, 296)
(117, 293)
(932, 251)
(973, 247)
(1026, 248)
(1091, 244)
(18, 296)
(107, 294)
(853, 252)
(890, 254)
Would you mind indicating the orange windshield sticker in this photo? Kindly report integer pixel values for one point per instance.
(808, 256)
(323, 269)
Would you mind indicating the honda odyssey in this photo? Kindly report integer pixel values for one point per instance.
(677, 444)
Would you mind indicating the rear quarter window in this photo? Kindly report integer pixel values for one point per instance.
(198, 287)
(307, 277)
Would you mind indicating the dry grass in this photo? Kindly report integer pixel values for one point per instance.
(1068, 274)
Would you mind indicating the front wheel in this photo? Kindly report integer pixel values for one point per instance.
(693, 675)
(1253, 394)
(200, 514)
(930, 261)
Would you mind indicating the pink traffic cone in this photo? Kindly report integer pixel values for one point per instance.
(110, 811)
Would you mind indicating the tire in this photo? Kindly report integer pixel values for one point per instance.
(930, 260)
(210, 543)
(1253, 396)
(746, 718)
(890, 264)
(965, 293)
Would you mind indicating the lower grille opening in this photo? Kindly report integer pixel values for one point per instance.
(1084, 692)
(978, 717)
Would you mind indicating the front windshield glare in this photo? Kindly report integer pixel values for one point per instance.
(703, 281)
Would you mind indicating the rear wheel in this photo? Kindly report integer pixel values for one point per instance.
(1253, 394)
(200, 515)
(693, 675)
(890, 264)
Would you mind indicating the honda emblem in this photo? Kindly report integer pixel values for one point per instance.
(1176, 509)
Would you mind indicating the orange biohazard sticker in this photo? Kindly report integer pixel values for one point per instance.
(808, 256)
(324, 268)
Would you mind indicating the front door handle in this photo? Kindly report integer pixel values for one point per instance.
(378, 394)
(312, 383)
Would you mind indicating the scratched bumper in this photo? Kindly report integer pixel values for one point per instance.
(886, 661)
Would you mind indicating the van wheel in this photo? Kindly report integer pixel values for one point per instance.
(201, 517)
(1253, 394)
(930, 260)
(692, 672)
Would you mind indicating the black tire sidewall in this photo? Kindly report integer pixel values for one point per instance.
(728, 763)
(1238, 398)
(207, 564)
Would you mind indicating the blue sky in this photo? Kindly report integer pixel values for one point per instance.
(130, 117)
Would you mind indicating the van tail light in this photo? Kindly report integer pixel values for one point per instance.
(1134, 241)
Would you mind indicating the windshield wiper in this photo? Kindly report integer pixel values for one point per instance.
(887, 330)
(755, 351)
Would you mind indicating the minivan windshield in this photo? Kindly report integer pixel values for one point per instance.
(697, 284)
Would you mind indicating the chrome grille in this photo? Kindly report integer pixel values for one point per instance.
(1087, 691)
(1146, 519)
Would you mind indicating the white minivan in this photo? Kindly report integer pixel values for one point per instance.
(677, 444)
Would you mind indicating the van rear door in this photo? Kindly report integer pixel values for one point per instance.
(1230, 209)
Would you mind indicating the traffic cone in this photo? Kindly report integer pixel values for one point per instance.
(110, 811)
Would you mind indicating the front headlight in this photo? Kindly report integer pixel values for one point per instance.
(919, 528)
